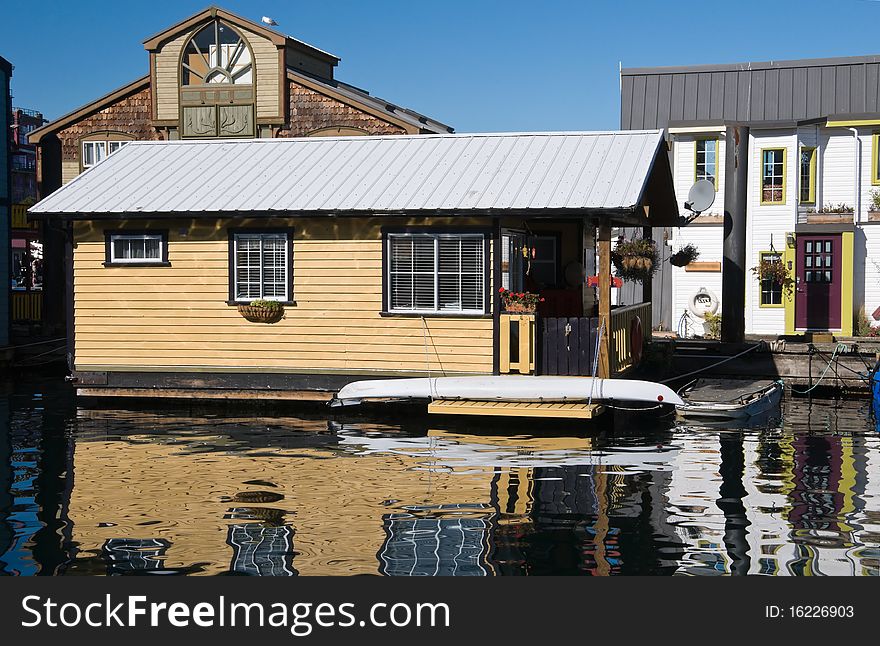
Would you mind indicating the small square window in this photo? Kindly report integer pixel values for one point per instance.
(135, 248)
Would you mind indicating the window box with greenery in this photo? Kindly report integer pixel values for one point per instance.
(262, 311)
(830, 213)
(635, 259)
(519, 302)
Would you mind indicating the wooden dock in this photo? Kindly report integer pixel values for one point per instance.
(844, 364)
(547, 410)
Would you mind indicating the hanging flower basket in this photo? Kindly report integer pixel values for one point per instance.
(776, 272)
(260, 311)
(635, 259)
(519, 302)
(684, 256)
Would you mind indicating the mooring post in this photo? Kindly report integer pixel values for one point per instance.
(604, 244)
(733, 276)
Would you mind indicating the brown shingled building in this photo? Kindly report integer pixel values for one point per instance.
(212, 75)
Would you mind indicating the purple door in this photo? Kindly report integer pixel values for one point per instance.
(817, 288)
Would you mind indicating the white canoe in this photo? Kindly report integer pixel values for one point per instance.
(512, 388)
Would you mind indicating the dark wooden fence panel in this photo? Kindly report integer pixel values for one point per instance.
(567, 345)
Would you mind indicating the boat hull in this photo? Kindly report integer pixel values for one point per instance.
(761, 403)
(512, 388)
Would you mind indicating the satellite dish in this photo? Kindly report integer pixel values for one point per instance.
(701, 196)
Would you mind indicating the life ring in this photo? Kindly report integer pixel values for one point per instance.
(636, 339)
(703, 302)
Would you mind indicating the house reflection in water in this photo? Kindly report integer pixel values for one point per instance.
(405, 500)
(136, 555)
(260, 550)
(418, 546)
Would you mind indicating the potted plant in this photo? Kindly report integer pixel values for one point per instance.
(684, 256)
(874, 206)
(712, 326)
(519, 302)
(635, 259)
(775, 271)
(261, 311)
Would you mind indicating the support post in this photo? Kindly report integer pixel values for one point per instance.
(733, 276)
(604, 243)
(648, 285)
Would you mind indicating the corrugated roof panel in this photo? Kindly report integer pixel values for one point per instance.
(427, 173)
(767, 91)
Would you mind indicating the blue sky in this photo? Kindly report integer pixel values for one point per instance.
(476, 65)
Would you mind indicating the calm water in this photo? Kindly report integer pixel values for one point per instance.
(98, 492)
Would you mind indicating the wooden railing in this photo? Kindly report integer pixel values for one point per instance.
(630, 333)
(516, 344)
(26, 306)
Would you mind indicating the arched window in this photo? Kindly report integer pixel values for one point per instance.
(216, 54)
(217, 83)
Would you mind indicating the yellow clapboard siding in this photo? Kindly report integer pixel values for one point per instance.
(152, 319)
(360, 344)
(300, 334)
(168, 317)
(288, 360)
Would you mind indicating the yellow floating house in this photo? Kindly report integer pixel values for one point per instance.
(287, 268)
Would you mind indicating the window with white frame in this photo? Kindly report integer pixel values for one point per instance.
(261, 266)
(706, 161)
(97, 151)
(134, 248)
(436, 273)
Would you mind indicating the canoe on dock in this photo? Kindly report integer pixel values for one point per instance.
(729, 398)
(510, 388)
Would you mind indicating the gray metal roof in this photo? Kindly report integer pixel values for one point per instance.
(424, 174)
(774, 91)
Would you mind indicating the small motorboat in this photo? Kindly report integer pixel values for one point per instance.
(729, 398)
(508, 388)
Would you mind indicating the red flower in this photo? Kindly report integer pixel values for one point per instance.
(501, 290)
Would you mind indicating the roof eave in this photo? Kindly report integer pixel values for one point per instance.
(406, 119)
(278, 39)
(35, 135)
(623, 215)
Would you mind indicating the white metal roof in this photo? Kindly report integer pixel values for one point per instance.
(388, 174)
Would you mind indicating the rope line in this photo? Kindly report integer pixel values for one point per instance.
(714, 365)
(596, 361)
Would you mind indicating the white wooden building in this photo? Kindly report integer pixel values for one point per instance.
(814, 127)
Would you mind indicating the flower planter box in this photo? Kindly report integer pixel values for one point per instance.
(829, 218)
(873, 216)
(519, 308)
(258, 314)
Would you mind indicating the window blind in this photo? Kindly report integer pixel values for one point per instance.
(261, 266)
(436, 273)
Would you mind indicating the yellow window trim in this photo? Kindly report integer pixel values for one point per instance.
(697, 140)
(771, 306)
(812, 180)
(875, 154)
(852, 123)
(784, 174)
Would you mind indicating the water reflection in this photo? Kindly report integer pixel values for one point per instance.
(139, 492)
